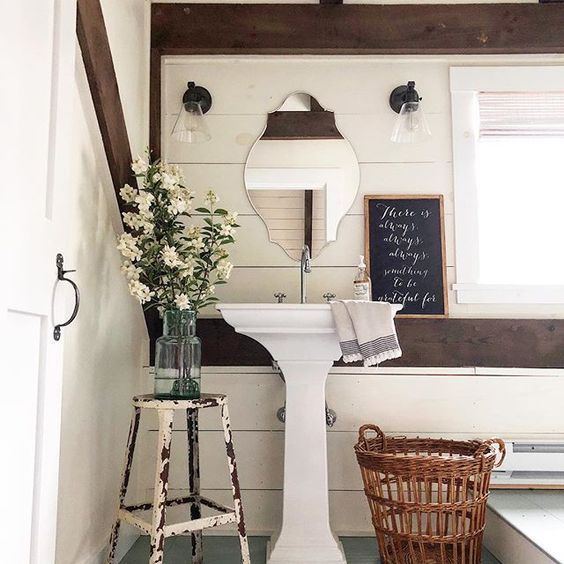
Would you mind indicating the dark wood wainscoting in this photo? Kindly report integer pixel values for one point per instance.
(526, 343)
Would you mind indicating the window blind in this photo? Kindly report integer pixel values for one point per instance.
(521, 113)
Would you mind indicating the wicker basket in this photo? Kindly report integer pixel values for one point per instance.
(427, 496)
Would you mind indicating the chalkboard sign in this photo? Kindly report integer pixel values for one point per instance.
(404, 247)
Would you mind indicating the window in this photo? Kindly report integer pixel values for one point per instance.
(508, 159)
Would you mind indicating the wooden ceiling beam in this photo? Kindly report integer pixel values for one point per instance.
(357, 29)
(100, 72)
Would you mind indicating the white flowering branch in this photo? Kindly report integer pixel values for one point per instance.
(168, 263)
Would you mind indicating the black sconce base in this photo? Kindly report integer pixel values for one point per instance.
(198, 94)
(397, 98)
(402, 94)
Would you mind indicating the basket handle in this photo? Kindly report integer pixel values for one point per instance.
(370, 427)
(486, 445)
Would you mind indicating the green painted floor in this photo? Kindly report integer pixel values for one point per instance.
(225, 550)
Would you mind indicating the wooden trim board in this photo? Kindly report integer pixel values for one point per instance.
(357, 29)
(426, 342)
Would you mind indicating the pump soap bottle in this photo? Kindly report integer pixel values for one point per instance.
(362, 289)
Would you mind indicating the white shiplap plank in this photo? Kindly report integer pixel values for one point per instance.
(260, 459)
(369, 135)
(258, 284)
(375, 178)
(262, 83)
(232, 139)
(405, 178)
(457, 404)
(253, 248)
(438, 401)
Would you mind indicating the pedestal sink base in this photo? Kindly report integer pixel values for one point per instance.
(315, 554)
(302, 338)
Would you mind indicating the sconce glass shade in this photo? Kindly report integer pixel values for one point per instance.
(190, 126)
(411, 124)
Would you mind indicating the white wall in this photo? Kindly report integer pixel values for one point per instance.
(107, 345)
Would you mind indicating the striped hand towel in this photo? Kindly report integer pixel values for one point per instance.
(366, 331)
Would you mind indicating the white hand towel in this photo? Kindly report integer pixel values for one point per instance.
(366, 331)
(346, 332)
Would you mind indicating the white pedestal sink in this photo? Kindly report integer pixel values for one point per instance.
(302, 339)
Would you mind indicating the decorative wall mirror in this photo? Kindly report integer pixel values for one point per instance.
(301, 175)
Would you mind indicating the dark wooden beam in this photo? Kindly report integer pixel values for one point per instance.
(526, 343)
(362, 29)
(301, 125)
(155, 102)
(97, 56)
(308, 219)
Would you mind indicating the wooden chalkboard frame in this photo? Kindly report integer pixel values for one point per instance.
(440, 198)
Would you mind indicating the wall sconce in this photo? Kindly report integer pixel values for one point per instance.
(411, 125)
(190, 126)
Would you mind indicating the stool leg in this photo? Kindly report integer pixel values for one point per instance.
(237, 504)
(130, 449)
(161, 486)
(194, 480)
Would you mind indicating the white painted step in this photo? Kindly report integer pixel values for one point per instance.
(526, 526)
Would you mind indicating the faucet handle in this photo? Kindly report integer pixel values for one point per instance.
(280, 296)
(328, 296)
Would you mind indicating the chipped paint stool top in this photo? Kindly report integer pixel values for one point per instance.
(158, 529)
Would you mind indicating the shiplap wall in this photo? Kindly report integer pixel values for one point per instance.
(245, 89)
(441, 402)
(456, 403)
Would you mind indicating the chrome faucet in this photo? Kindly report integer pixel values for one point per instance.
(305, 268)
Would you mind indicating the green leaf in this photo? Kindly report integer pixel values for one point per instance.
(203, 210)
(221, 211)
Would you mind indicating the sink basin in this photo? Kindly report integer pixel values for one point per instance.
(287, 331)
(303, 340)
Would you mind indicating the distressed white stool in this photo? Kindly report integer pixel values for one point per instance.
(158, 529)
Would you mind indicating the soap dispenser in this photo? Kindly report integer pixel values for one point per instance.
(362, 289)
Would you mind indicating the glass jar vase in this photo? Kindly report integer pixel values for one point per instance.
(178, 357)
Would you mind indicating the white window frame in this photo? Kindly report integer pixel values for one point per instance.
(465, 84)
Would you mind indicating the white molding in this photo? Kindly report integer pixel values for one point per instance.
(508, 294)
(507, 79)
(508, 544)
(483, 371)
(465, 83)
(464, 141)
